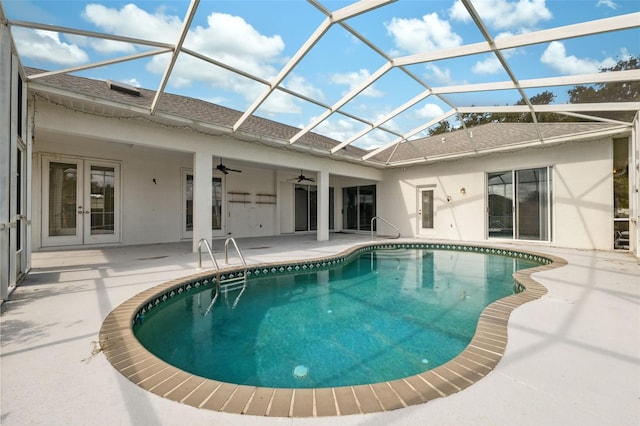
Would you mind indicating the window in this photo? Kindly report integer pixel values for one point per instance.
(521, 211)
(426, 209)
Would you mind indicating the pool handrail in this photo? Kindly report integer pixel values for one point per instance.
(215, 264)
(226, 251)
(211, 256)
(373, 219)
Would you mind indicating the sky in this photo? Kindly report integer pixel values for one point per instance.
(260, 37)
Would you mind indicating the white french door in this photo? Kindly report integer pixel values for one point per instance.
(80, 201)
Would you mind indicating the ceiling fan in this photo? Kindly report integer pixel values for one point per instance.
(303, 177)
(224, 169)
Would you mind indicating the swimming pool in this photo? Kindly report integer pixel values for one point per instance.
(485, 349)
(384, 315)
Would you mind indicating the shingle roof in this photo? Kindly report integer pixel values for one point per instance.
(192, 108)
(490, 137)
(456, 143)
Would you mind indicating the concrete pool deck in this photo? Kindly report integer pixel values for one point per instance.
(573, 356)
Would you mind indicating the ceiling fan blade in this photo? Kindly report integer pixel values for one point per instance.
(234, 170)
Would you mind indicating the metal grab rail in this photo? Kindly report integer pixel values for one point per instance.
(217, 268)
(215, 264)
(387, 222)
(211, 256)
(226, 252)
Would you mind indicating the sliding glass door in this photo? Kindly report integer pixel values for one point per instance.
(359, 207)
(306, 207)
(521, 211)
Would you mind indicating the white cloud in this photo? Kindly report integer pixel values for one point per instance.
(131, 21)
(490, 65)
(418, 36)
(501, 14)
(280, 103)
(339, 129)
(353, 80)
(47, 46)
(555, 56)
(133, 82)
(429, 111)
(439, 75)
(607, 3)
(301, 85)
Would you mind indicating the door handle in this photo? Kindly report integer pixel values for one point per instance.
(87, 212)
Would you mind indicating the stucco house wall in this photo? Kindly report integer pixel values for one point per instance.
(582, 194)
(153, 161)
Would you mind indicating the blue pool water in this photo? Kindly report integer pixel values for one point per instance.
(385, 315)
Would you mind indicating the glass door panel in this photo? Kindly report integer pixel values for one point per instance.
(101, 202)
(350, 208)
(532, 204)
(426, 209)
(500, 217)
(216, 206)
(62, 210)
(367, 206)
(301, 208)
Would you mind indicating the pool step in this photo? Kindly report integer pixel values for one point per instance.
(233, 284)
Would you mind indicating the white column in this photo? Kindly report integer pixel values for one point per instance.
(322, 179)
(5, 157)
(202, 196)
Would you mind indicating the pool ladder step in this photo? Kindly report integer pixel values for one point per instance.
(229, 284)
(233, 284)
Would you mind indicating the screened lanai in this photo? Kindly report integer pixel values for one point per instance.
(384, 85)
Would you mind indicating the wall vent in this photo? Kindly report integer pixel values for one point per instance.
(123, 88)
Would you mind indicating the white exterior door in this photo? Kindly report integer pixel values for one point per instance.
(80, 202)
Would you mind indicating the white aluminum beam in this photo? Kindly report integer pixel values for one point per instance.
(586, 107)
(93, 34)
(284, 72)
(410, 133)
(565, 80)
(335, 17)
(101, 63)
(176, 51)
(616, 23)
(355, 92)
(383, 120)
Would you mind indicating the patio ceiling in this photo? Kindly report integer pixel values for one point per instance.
(388, 69)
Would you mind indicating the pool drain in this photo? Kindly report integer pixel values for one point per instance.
(301, 371)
